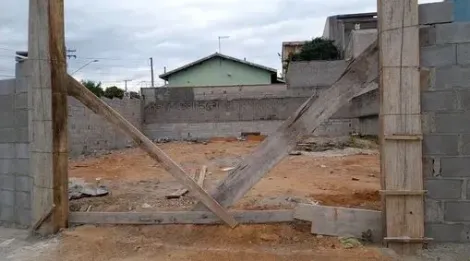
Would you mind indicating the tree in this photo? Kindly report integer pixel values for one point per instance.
(113, 91)
(134, 95)
(317, 49)
(94, 87)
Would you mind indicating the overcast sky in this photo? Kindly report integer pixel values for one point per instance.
(122, 35)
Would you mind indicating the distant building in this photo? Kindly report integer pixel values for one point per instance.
(340, 27)
(288, 49)
(220, 70)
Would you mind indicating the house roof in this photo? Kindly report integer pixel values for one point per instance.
(219, 55)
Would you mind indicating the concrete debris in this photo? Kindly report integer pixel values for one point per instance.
(145, 205)
(78, 188)
(349, 242)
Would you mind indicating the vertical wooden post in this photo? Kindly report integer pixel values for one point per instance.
(400, 121)
(48, 115)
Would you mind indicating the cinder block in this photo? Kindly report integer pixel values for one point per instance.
(442, 232)
(22, 135)
(435, 13)
(8, 135)
(453, 76)
(468, 189)
(434, 211)
(7, 119)
(452, 122)
(453, 33)
(7, 87)
(455, 167)
(428, 122)
(23, 200)
(439, 101)
(7, 166)
(465, 144)
(463, 54)
(438, 55)
(457, 211)
(7, 182)
(464, 99)
(441, 144)
(22, 150)
(23, 183)
(7, 214)
(7, 151)
(427, 35)
(7, 102)
(21, 100)
(41, 138)
(23, 216)
(22, 166)
(7, 198)
(443, 188)
(429, 167)
(21, 118)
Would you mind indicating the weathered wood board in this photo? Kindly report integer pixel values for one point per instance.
(180, 217)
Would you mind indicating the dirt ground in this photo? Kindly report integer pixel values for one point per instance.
(338, 177)
(347, 177)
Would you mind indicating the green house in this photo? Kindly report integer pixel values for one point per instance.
(220, 70)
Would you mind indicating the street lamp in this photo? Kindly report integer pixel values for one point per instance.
(222, 37)
(94, 61)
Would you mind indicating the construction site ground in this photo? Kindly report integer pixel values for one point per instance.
(336, 172)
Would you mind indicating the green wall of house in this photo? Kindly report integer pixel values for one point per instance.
(219, 72)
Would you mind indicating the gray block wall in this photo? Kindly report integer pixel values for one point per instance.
(89, 132)
(204, 112)
(445, 104)
(15, 179)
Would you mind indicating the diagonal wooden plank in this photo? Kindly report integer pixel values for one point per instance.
(360, 73)
(81, 93)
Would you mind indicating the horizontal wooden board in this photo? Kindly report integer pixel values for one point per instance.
(179, 217)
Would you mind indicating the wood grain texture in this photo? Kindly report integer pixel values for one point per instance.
(401, 159)
(180, 217)
(360, 74)
(49, 114)
(202, 176)
(81, 93)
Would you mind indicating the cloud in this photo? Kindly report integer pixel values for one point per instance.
(123, 35)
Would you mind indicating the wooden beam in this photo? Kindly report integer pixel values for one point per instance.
(98, 106)
(400, 113)
(338, 221)
(360, 73)
(180, 217)
(48, 119)
(202, 176)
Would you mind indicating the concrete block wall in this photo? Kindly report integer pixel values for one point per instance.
(445, 105)
(89, 132)
(15, 179)
(204, 112)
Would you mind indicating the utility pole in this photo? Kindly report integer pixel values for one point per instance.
(151, 71)
(222, 37)
(125, 84)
